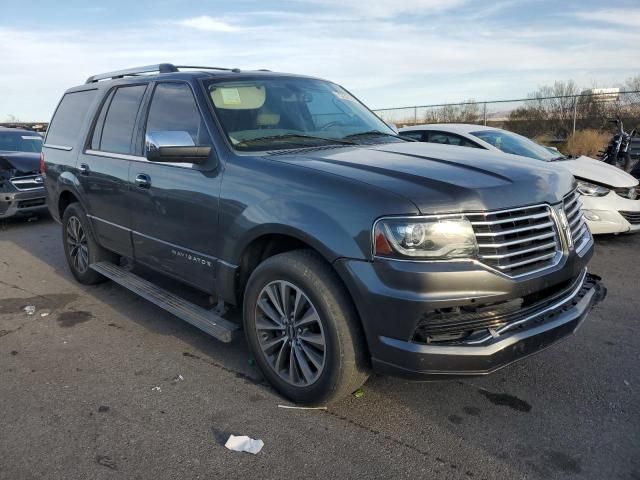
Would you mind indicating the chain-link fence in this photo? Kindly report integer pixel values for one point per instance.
(553, 117)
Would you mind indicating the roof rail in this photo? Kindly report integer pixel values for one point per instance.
(160, 68)
(235, 70)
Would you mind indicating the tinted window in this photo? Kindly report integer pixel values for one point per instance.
(415, 134)
(173, 109)
(97, 131)
(69, 118)
(20, 141)
(447, 138)
(121, 118)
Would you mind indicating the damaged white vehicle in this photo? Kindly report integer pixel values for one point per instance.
(610, 196)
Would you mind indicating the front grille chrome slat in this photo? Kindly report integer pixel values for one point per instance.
(540, 226)
(514, 219)
(516, 242)
(528, 261)
(520, 252)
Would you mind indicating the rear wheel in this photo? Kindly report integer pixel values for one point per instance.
(303, 329)
(80, 247)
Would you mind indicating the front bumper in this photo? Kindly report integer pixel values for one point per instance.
(394, 298)
(497, 350)
(603, 213)
(22, 202)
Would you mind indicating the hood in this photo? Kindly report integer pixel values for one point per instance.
(597, 171)
(23, 162)
(440, 179)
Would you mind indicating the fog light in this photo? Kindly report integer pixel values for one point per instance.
(589, 215)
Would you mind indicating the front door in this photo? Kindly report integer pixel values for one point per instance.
(174, 207)
(103, 168)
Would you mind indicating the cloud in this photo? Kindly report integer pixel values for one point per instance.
(621, 16)
(385, 61)
(206, 23)
(386, 8)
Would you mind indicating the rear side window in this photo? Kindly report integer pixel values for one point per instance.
(114, 128)
(69, 118)
(173, 109)
(451, 139)
(415, 134)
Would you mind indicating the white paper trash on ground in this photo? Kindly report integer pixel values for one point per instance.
(243, 443)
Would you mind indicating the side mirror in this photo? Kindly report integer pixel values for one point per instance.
(174, 147)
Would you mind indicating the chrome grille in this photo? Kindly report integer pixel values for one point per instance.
(29, 182)
(517, 241)
(573, 210)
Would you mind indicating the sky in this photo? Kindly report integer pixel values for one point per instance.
(389, 53)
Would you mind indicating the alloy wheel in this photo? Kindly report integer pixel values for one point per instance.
(290, 333)
(77, 243)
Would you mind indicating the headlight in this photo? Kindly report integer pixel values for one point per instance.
(429, 239)
(591, 189)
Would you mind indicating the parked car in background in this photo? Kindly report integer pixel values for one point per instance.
(346, 247)
(21, 184)
(610, 197)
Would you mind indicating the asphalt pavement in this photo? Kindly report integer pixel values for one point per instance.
(98, 383)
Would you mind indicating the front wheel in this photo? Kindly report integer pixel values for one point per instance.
(303, 329)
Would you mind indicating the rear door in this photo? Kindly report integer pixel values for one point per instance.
(103, 167)
(174, 207)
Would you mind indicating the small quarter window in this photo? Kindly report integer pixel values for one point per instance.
(69, 118)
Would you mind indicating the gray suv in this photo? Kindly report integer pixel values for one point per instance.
(346, 248)
(21, 184)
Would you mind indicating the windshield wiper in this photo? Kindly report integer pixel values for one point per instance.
(293, 136)
(378, 133)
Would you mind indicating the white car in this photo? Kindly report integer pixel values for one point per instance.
(610, 196)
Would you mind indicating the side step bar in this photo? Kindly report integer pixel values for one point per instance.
(205, 320)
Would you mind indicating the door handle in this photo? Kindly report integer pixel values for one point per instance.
(84, 169)
(143, 181)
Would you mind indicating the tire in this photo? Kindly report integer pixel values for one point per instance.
(80, 246)
(314, 353)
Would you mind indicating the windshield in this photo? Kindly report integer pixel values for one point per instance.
(278, 113)
(516, 144)
(20, 142)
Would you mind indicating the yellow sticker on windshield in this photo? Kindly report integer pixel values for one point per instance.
(230, 96)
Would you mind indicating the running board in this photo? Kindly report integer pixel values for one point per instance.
(205, 320)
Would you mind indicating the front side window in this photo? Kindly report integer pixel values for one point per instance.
(515, 144)
(114, 129)
(279, 113)
(174, 116)
(20, 142)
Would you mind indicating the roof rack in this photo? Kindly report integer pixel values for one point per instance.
(235, 70)
(160, 68)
